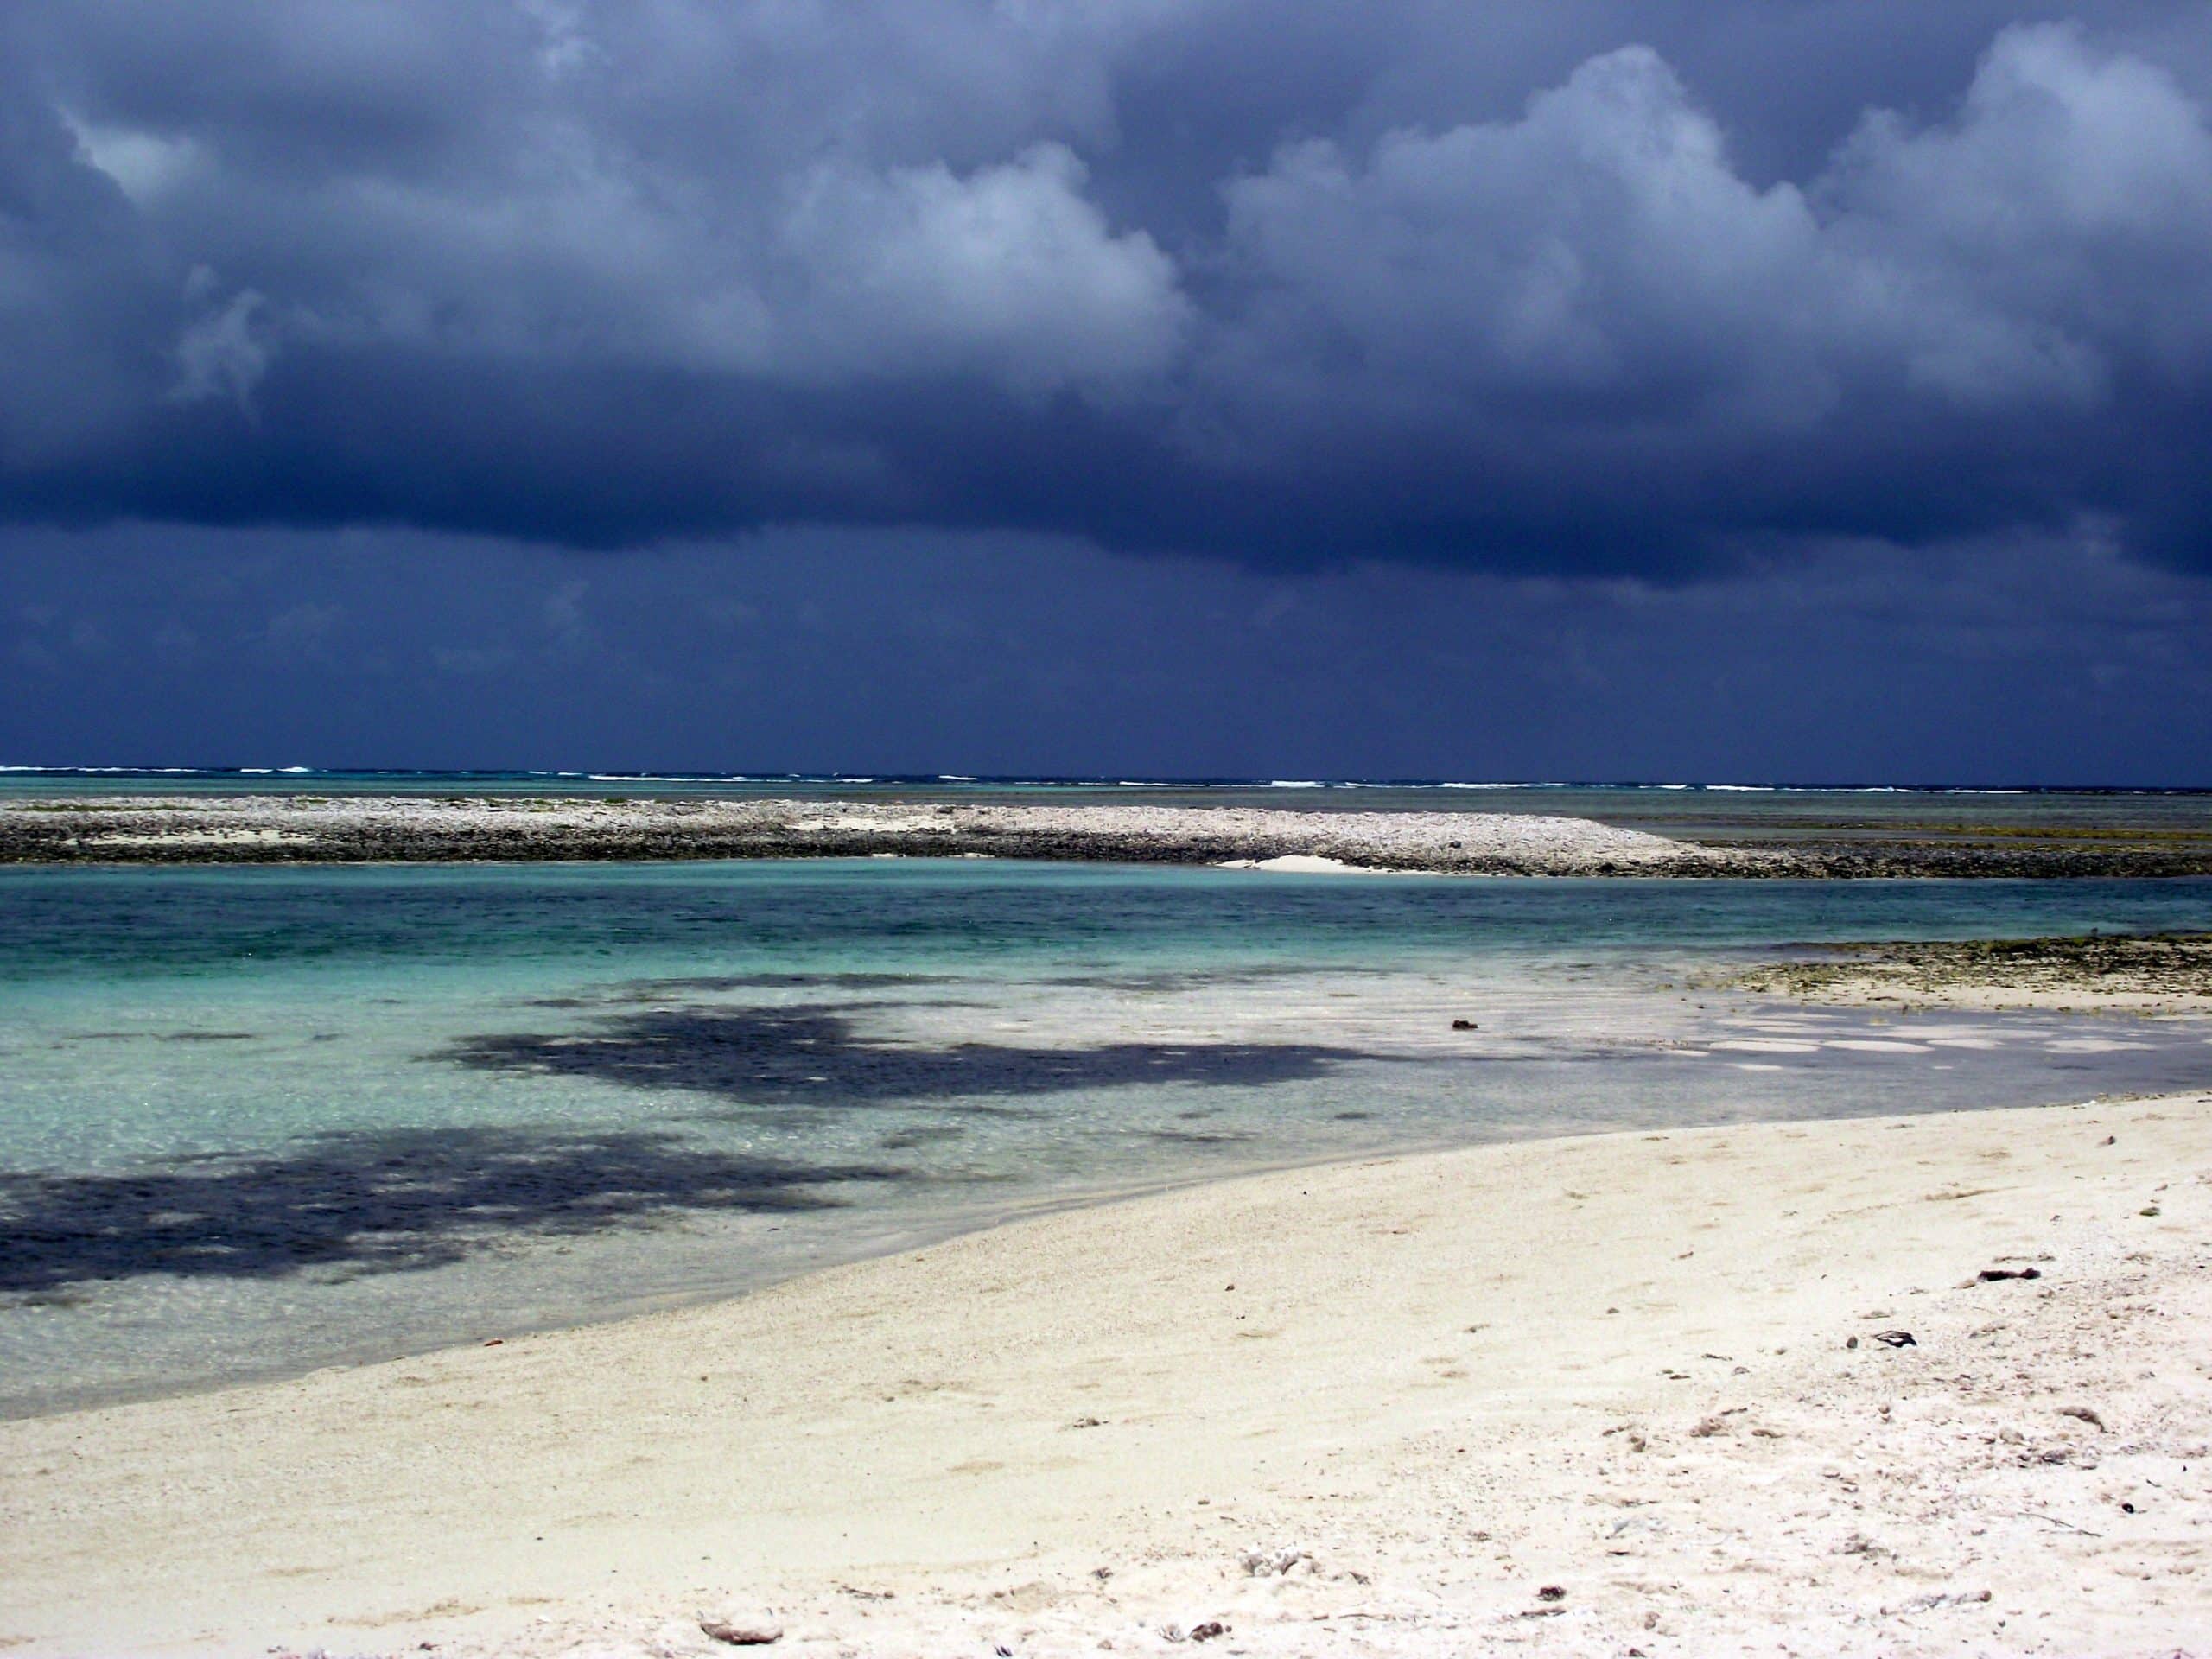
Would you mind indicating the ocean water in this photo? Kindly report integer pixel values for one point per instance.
(258, 1120)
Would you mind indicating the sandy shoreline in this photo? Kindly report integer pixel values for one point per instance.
(1428, 1387)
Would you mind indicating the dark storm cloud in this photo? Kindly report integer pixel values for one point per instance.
(1994, 660)
(1585, 288)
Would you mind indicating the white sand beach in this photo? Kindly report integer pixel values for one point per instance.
(1607, 1395)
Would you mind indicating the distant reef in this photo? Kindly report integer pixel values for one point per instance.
(353, 830)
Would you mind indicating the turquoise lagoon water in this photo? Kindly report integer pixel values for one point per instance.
(253, 1121)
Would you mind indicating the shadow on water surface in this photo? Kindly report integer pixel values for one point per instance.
(810, 1055)
(376, 1202)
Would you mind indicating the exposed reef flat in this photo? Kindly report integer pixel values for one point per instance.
(1957, 850)
(2159, 973)
(350, 830)
(264, 830)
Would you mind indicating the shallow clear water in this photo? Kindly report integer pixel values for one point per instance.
(255, 1119)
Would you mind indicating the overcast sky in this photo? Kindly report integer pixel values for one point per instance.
(1731, 389)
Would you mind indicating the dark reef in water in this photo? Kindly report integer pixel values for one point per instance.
(374, 1201)
(811, 1056)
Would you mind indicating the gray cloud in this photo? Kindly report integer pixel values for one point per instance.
(1994, 660)
(1589, 289)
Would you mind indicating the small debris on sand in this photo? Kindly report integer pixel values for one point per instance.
(742, 1629)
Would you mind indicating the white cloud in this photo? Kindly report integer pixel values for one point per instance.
(1600, 241)
(1010, 270)
(2062, 221)
(1604, 242)
(844, 273)
(224, 354)
(143, 164)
